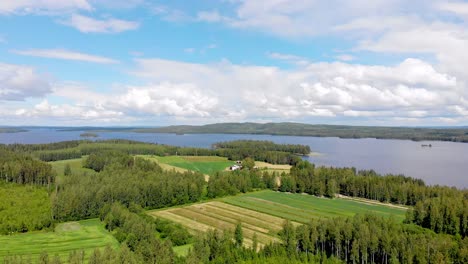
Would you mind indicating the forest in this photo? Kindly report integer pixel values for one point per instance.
(299, 129)
(124, 187)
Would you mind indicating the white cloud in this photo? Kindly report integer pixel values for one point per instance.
(345, 57)
(411, 91)
(289, 58)
(67, 112)
(319, 89)
(211, 16)
(460, 8)
(109, 25)
(20, 82)
(170, 14)
(293, 18)
(42, 6)
(65, 55)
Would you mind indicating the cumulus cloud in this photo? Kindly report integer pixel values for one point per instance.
(414, 87)
(65, 55)
(42, 6)
(67, 112)
(87, 24)
(19, 82)
(411, 91)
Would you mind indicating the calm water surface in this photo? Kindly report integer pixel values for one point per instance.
(446, 163)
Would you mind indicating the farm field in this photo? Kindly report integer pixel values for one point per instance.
(203, 164)
(263, 213)
(82, 235)
(222, 216)
(273, 167)
(300, 208)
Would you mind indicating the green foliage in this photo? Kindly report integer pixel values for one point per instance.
(248, 163)
(139, 233)
(238, 235)
(139, 181)
(23, 208)
(67, 170)
(23, 169)
(175, 232)
(231, 183)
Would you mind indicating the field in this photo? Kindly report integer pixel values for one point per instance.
(204, 164)
(203, 217)
(264, 212)
(301, 208)
(83, 235)
(279, 168)
(75, 166)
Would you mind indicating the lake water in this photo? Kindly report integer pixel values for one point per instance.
(445, 163)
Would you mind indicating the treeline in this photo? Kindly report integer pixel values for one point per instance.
(138, 181)
(137, 232)
(23, 169)
(360, 239)
(442, 209)
(328, 181)
(263, 145)
(443, 214)
(240, 181)
(341, 131)
(259, 150)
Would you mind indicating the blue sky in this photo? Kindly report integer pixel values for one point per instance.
(138, 62)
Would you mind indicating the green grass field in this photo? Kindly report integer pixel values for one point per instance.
(75, 165)
(83, 235)
(263, 213)
(301, 208)
(203, 164)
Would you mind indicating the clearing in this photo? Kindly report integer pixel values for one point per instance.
(204, 164)
(84, 235)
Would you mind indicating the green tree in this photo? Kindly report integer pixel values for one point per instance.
(67, 170)
(248, 163)
(238, 235)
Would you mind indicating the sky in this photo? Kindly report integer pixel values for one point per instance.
(155, 63)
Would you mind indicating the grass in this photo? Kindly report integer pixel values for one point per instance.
(217, 215)
(84, 235)
(182, 251)
(301, 208)
(75, 166)
(204, 164)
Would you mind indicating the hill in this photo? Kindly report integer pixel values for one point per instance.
(299, 129)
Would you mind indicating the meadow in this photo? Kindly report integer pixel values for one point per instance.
(301, 207)
(204, 164)
(84, 235)
(76, 166)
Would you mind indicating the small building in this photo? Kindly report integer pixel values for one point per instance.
(235, 167)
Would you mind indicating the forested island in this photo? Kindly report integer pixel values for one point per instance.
(121, 203)
(298, 129)
(11, 130)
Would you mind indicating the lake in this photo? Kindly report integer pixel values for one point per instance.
(445, 163)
